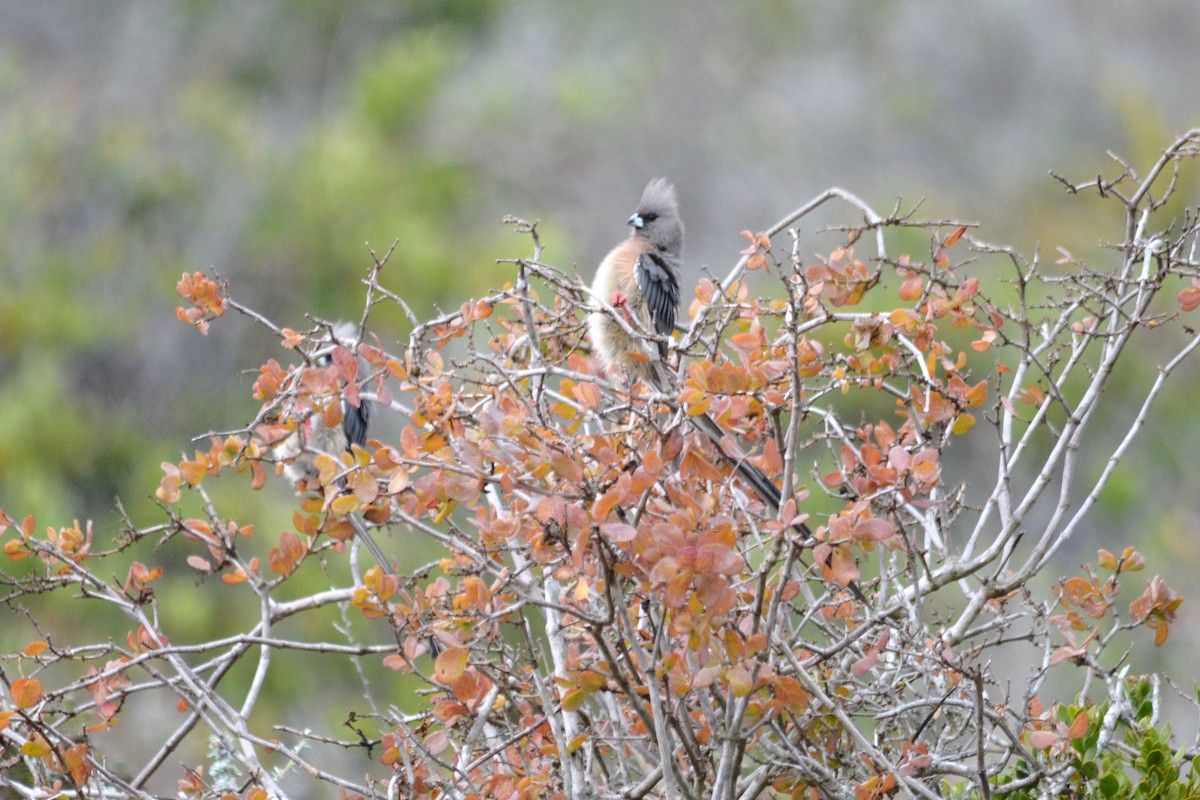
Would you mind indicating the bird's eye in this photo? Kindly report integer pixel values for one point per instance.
(323, 360)
(649, 216)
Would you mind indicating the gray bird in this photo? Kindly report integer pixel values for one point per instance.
(299, 456)
(639, 278)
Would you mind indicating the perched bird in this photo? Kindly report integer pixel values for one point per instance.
(639, 278)
(300, 450)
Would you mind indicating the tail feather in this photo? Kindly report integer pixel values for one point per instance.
(364, 536)
(763, 486)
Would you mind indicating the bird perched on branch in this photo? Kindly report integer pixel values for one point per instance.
(300, 450)
(639, 278)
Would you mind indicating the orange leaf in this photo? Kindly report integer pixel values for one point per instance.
(790, 692)
(842, 567)
(912, 288)
(565, 466)
(450, 665)
(26, 692)
(34, 648)
(193, 472)
(954, 237)
(606, 503)
(75, 760)
(1079, 727)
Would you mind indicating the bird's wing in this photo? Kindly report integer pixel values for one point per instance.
(660, 288)
(354, 422)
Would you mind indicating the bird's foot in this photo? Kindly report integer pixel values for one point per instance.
(619, 300)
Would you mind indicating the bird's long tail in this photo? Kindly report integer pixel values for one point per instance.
(760, 483)
(364, 536)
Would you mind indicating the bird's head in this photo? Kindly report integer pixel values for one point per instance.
(657, 217)
(344, 334)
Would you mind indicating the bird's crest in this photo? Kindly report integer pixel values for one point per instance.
(659, 198)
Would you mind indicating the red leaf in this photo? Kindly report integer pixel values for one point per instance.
(619, 532)
(1042, 740)
(864, 664)
(874, 530)
(437, 742)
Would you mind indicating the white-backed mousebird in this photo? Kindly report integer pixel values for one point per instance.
(639, 278)
(300, 450)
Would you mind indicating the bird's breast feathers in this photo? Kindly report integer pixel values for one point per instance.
(618, 273)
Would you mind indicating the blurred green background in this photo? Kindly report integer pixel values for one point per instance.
(273, 141)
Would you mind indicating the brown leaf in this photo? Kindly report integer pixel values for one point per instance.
(873, 530)
(842, 567)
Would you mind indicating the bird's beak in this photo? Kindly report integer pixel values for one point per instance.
(637, 221)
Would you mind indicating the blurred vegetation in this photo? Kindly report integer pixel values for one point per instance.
(101, 212)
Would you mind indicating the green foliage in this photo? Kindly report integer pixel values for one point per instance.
(370, 175)
(1143, 766)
